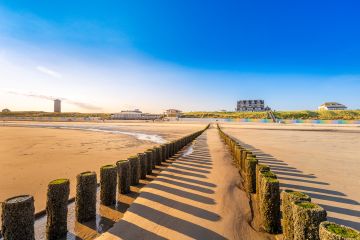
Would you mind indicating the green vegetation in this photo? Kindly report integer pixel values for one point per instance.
(87, 173)
(51, 114)
(59, 181)
(108, 166)
(269, 174)
(299, 194)
(342, 231)
(304, 115)
(306, 205)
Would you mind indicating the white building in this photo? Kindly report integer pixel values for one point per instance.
(134, 115)
(332, 106)
(251, 106)
(173, 113)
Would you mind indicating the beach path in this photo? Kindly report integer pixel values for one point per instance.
(196, 197)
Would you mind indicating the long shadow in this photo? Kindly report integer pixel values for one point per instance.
(129, 231)
(302, 180)
(198, 212)
(306, 188)
(185, 185)
(341, 210)
(190, 180)
(185, 173)
(181, 193)
(345, 222)
(189, 168)
(205, 163)
(286, 172)
(190, 229)
(332, 198)
(182, 162)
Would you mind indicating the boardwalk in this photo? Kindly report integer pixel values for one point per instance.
(197, 197)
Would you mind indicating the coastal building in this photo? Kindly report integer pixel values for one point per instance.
(251, 106)
(57, 105)
(173, 113)
(332, 106)
(134, 115)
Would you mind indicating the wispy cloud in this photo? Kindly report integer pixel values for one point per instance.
(82, 105)
(48, 71)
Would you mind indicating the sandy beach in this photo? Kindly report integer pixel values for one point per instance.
(33, 156)
(322, 161)
(198, 196)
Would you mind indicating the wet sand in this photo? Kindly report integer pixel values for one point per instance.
(198, 196)
(32, 157)
(322, 161)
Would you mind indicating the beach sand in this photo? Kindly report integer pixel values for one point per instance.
(198, 196)
(32, 157)
(322, 161)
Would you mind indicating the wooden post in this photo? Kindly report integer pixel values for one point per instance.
(143, 165)
(108, 178)
(57, 208)
(123, 169)
(85, 201)
(18, 218)
(287, 198)
(307, 218)
(134, 170)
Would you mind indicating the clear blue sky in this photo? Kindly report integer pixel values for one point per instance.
(192, 55)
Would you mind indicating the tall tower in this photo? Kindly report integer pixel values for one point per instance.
(57, 105)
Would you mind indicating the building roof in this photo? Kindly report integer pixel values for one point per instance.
(173, 110)
(332, 104)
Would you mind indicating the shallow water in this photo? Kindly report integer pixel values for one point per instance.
(95, 128)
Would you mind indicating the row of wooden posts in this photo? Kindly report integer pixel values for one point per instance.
(18, 216)
(290, 212)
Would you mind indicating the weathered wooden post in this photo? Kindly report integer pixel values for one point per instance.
(260, 168)
(143, 165)
(149, 161)
(153, 158)
(307, 218)
(85, 201)
(158, 158)
(250, 174)
(57, 208)
(333, 231)
(123, 169)
(18, 218)
(287, 198)
(270, 202)
(108, 178)
(163, 153)
(134, 170)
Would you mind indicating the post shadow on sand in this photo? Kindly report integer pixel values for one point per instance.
(182, 193)
(190, 229)
(185, 185)
(192, 210)
(186, 163)
(185, 179)
(286, 172)
(129, 231)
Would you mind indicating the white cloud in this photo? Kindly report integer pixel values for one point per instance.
(48, 71)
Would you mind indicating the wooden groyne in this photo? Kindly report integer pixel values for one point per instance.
(288, 212)
(18, 215)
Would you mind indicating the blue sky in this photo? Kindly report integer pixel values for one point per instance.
(107, 56)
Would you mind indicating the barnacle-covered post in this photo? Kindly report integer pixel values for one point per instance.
(57, 208)
(123, 169)
(18, 218)
(108, 178)
(85, 201)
